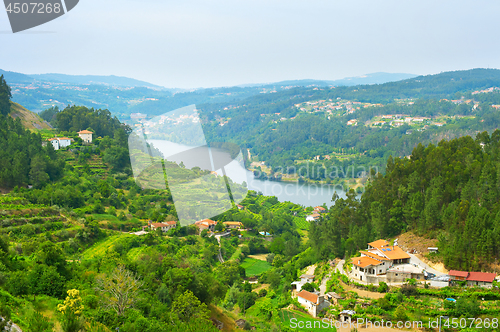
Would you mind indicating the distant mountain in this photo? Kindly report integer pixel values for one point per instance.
(375, 78)
(95, 79)
(112, 80)
(13, 77)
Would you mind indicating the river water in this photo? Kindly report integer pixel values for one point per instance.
(299, 193)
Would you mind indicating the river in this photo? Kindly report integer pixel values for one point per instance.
(300, 193)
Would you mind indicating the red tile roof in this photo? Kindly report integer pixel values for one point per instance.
(379, 243)
(85, 132)
(308, 296)
(481, 276)
(365, 261)
(455, 273)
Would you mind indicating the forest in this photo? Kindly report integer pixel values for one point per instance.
(449, 191)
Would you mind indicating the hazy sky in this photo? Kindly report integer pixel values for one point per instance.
(192, 43)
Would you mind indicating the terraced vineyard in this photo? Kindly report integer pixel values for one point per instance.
(20, 218)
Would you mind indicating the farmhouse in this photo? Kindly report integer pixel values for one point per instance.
(206, 224)
(377, 260)
(60, 142)
(86, 136)
(312, 217)
(403, 272)
(313, 303)
(482, 279)
(233, 224)
(164, 226)
(304, 279)
(319, 209)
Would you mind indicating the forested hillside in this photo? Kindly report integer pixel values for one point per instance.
(449, 191)
(282, 130)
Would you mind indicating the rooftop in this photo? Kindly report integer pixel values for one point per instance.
(481, 276)
(364, 261)
(308, 296)
(455, 273)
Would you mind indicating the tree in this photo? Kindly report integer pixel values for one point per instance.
(119, 290)
(71, 310)
(38, 174)
(188, 307)
(5, 96)
(308, 287)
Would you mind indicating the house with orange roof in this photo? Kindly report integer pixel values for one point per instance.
(206, 224)
(86, 136)
(164, 226)
(60, 142)
(312, 302)
(482, 279)
(233, 224)
(377, 260)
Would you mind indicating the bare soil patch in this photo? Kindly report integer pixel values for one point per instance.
(409, 241)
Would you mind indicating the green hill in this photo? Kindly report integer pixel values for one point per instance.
(29, 119)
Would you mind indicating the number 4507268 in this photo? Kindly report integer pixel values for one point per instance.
(34, 8)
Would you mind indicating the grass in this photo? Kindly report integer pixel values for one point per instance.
(254, 266)
(304, 320)
(99, 249)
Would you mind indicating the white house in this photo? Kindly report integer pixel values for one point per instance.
(312, 217)
(85, 135)
(164, 226)
(60, 142)
(313, 303)
(304, 279)
(377, 259)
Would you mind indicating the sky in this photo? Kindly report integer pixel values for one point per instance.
(193, 44)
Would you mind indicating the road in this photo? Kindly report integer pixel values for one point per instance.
(415, 260)
(217, 237)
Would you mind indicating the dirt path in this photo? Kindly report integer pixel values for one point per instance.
(436, 266)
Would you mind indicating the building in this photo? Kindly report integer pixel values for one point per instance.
(206, 224)
(313, 217)
(313, 303)
(482, 279)
(383, 249)
(86, 136)
(458, 275)
(352, 122)
(164, 226)
(233, 224)
(319, 209)
(60, 142)
(333, 298)
(403, 272)
(304, 279)
(377, 260)
(346, 315)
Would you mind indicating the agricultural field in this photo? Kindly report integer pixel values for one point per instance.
(254, 267)
(20, 218)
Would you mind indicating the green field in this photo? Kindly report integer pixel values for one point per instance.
(303, 320)
(254, 266)
(99, 249)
